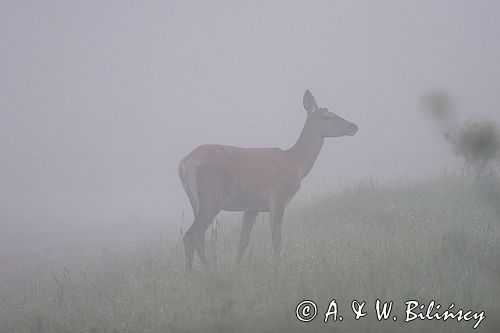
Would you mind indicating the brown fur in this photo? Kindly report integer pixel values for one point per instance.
(253, 180)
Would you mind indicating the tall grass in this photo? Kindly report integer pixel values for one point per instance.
(437, 240)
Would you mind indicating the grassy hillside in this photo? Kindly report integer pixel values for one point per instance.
(438, 240)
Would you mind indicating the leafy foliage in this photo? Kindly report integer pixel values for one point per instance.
(477, 142)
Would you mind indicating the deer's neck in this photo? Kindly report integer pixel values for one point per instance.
(306, 150)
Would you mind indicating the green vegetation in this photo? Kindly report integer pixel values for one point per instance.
(436, 240)
(477, 142)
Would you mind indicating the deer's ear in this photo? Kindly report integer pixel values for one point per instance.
(309, 102)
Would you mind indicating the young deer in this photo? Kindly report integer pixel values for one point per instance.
(253, 180)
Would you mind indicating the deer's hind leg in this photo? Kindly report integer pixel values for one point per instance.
(246, 228)
(211, 196)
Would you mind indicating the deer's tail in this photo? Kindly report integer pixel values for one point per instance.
(187, 174)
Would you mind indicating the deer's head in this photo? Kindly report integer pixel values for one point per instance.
(324, 122)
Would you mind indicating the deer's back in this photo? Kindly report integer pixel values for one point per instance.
(250, 176)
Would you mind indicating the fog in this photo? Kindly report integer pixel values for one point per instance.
(100, 100)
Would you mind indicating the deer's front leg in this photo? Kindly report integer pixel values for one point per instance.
(276, 212)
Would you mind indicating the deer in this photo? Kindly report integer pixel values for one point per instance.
(253, 180)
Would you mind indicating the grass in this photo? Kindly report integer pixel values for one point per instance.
(437, 240)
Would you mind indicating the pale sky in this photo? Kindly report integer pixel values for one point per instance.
(100, 100)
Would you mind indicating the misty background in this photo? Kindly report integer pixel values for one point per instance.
(100, 100)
